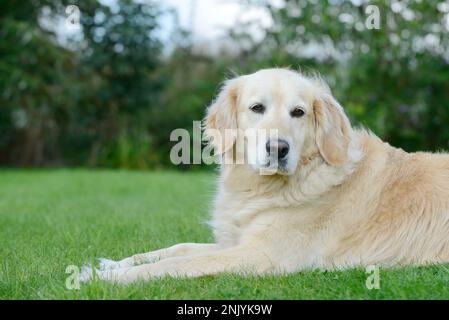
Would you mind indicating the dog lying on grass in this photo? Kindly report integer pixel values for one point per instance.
(339, 197)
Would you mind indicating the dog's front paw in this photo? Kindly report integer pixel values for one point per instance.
(107, 264)
(86, 273)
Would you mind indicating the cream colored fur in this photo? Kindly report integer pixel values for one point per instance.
(349, 200)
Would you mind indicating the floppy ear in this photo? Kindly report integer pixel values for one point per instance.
(332, 130)
(222, 116)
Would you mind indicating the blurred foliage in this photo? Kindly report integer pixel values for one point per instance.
(394, 80)
(114, 92)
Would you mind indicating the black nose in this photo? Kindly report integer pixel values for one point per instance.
(280, 145)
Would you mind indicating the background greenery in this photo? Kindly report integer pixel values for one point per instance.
(110, 96)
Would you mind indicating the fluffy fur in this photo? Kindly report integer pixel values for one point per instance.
(348, 199)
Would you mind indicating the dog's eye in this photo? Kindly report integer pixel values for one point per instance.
(257, 108)
(297, 113)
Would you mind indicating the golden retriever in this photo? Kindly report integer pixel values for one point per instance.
(339, 196)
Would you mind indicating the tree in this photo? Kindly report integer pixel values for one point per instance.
(85, 105)
(34, 85)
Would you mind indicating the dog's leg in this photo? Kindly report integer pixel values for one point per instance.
(177, 250)
(242, 259)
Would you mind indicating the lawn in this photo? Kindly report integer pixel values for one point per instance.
(50, 219)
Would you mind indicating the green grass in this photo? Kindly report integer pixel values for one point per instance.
(50, 219)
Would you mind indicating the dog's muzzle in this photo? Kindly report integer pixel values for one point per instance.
(277, 149)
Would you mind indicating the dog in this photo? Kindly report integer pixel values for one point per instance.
(339, 197)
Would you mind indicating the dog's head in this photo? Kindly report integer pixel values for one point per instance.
(294, 117)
